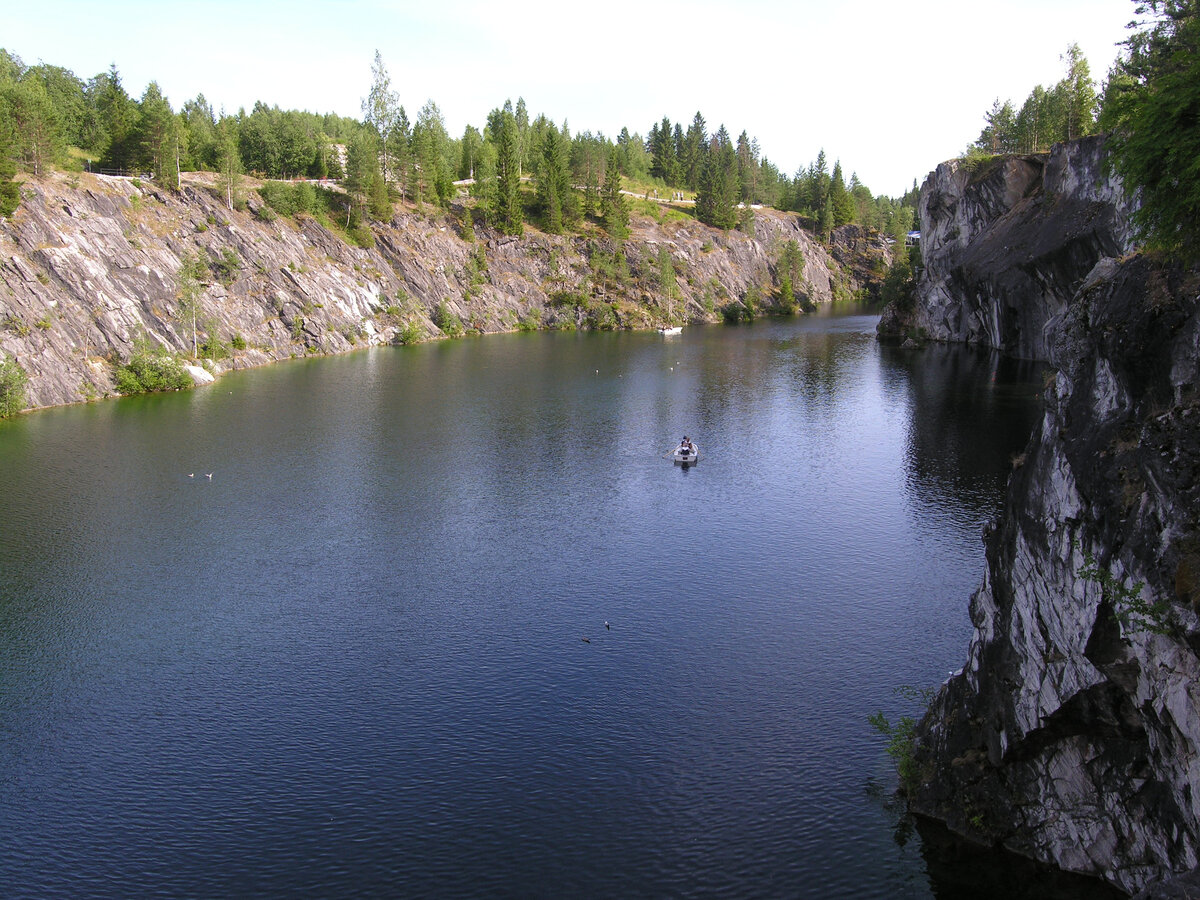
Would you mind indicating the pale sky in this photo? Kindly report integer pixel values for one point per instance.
(890, 88)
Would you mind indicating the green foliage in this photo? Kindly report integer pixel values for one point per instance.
(10, 190)
(736, 312)
(299, 198)
(13, 381)
(1064, 112)
(475, 269)
(898, 284)
(227, 265)
(789, 271)
(238, 342)
(719, 192)
(150, 369)
(553, 181)
(668, 283)
(410, 333)
(1153, 107)
(613, 208)
(212, 347)
(448, 321)
(609, 268)
(193, 272)
(31, 125)
(901, 737)
(900, 742)
(509, 213)
(1132, 610)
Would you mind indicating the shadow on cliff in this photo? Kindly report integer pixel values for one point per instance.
(958, 870)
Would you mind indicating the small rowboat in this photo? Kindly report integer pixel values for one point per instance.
(685, 455)
(669, 331)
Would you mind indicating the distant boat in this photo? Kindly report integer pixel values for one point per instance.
(666, 331)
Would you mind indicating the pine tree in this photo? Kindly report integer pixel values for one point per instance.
(521, 119)
(484, 190)
(818, 184)
(825, 219)
(119, 116)
(717, 197)
(839, 198)
(509, 214)
(362, 165)
(662, 150)
(551, 181)
(431, 146)
(28, 115)
(695, 142)
(158, 138)
(613, 207)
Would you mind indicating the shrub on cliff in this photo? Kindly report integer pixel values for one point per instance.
(12, 387)
(150, 369)
(448, 321)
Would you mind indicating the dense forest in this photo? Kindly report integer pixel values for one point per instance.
(51, 117)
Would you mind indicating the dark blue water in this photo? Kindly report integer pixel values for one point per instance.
(369, 656)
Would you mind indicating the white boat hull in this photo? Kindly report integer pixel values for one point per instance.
(686, 458)
(668, 332)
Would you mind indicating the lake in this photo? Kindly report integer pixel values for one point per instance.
(445, 622)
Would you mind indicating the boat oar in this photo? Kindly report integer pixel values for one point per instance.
(669, 452)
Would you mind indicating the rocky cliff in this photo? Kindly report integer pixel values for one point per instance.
(1072, 733)
(89, 262)
(1006, 242)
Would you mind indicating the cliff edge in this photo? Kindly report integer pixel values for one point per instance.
(1006, 242)
(1072, 733)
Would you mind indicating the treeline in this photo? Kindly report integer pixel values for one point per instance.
(727, 176)
(46, 111)
(1065, 111)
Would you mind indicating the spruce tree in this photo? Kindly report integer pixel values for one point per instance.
(509, 215)
(551, 181)
(695, 142)
(718, 196)
(839, 198)
(613, 207)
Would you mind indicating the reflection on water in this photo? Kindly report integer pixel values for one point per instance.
(370, 654)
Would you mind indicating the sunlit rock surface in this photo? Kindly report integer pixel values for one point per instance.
(87, 263)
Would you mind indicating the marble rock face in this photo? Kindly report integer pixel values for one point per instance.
(1072, 734)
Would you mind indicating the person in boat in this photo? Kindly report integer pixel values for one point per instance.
(687, 447)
